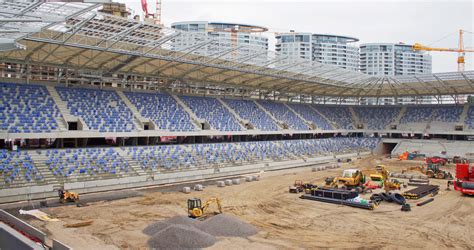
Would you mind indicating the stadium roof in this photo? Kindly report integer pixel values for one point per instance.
(92, 41)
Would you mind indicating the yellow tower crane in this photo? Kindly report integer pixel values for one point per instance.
(460, 50)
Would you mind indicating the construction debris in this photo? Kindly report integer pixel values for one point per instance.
(79, 224)
(38, 214)
(425, 202)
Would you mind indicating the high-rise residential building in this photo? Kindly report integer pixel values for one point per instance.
(227, 40)
(328, 49)
(388, 59)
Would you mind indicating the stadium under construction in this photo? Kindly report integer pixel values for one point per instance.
(109, 108)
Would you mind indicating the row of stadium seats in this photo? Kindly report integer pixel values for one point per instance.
(27, 109)
(311, 115)
(26, 168)
(102, 110)
(88, 162)
(470, 118)
(448, 114)
(30, 109)
(377, 118)
(284, 114)
(248, 110)
(163, 110)
(211, 110)
(183, 157)
(341, 116)
(17, 167)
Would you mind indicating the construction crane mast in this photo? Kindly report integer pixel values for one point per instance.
(155, 17)
(460, 50)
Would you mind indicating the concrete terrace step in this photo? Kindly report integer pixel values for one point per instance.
(399, 116)
(355, 118)
(311, 124)
(135, 165)
(278, 122)
(63, 110)
(138, 118)
(196, 121)
(333, 124)
(241, 121)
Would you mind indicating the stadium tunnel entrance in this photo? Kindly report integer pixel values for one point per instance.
(387, 147)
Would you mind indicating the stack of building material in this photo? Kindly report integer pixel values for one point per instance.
(421, 192)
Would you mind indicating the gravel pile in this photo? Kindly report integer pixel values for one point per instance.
(226, 225)
(181, 237)
(160, 225)
(181, 232)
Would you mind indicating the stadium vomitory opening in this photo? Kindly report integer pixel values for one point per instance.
(120, 129)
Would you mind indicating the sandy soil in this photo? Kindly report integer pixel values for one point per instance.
(285, 220)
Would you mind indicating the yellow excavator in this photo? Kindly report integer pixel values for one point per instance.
(387, 184)
(197, 211)
(66, 196)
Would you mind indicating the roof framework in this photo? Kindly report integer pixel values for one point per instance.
(107, 45)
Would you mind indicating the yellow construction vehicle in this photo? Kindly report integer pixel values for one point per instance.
(350, 179)
(66, 196)
(432, 171)
(387, 184)
(197, 210)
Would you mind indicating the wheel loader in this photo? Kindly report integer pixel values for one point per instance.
(66, 196)
(197, 211)
(432, 171)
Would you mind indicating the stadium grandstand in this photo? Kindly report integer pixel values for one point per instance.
(93, 102)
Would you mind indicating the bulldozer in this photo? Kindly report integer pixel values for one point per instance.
(431, 170)
(66, 196)
(197, 211)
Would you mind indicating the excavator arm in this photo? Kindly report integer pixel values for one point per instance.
(209, 202)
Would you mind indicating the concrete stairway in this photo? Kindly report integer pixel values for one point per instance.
(42, 167)
(310, 124)
(399, 117)
(333, 124)
(278, 122)
(462, 118)
(62, 106)
(242, 122)
(139, 119)
(355, 118)
(134, 164)
(196, 121)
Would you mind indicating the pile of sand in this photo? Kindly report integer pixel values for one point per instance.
(182, 232)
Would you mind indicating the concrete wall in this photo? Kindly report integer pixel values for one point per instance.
(12, 239)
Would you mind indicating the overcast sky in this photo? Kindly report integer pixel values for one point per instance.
(435, 23)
